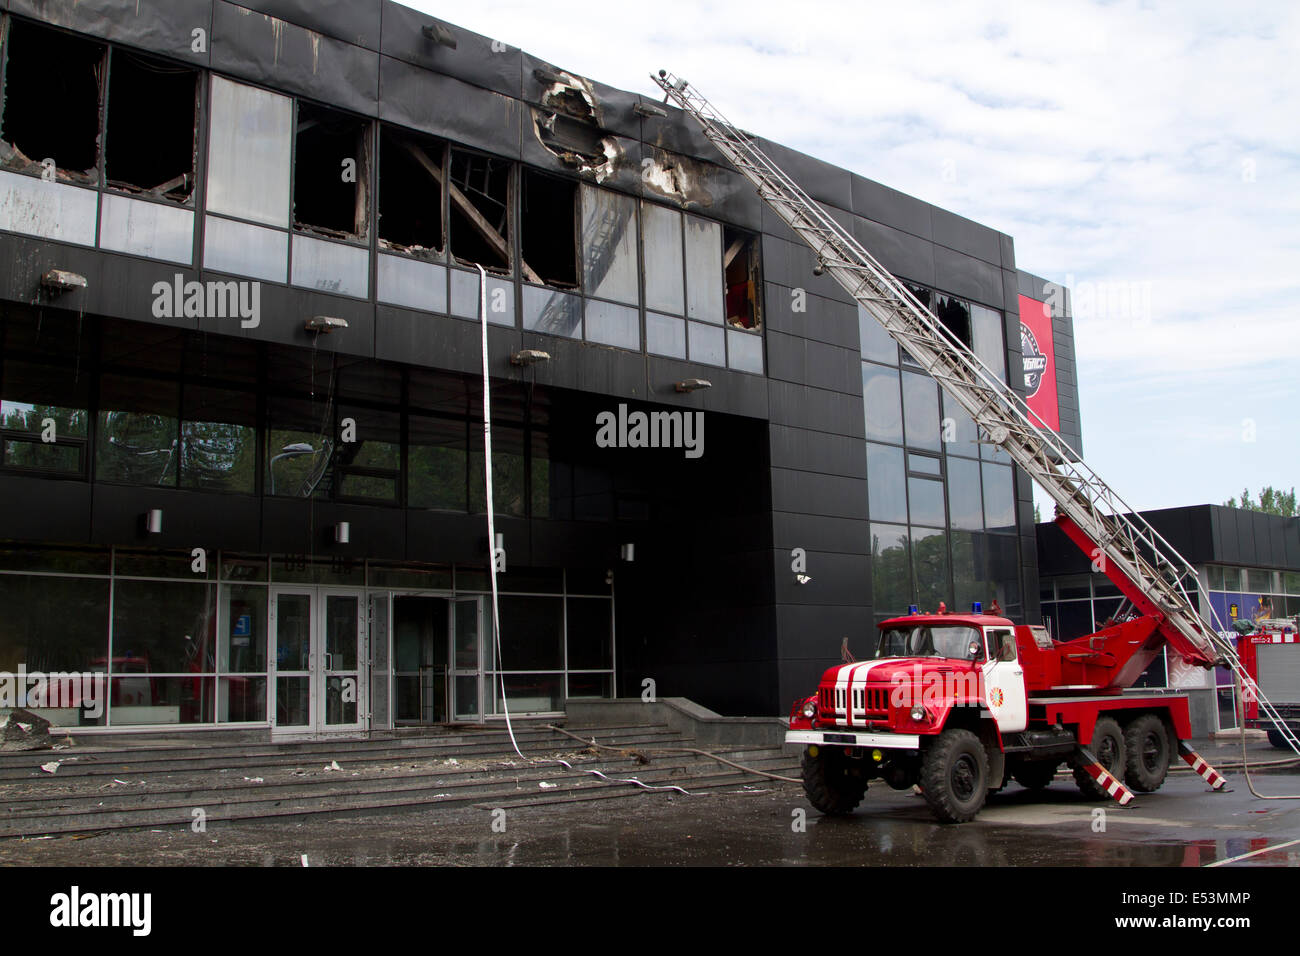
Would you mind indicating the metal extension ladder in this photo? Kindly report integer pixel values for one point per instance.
(1134, 548)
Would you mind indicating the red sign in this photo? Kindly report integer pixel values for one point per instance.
(1040, 361)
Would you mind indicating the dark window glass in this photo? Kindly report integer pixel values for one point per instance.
(881, 403)
(63, 625)
(508, 479)
(300, 443)
(921, 411)
(43, 417)
(436, 467)
(368, 454)
(886, 483)
(999, 498)
(138, 438)
(930, 566)
(965, 499)
(163, 627)
(877, 344)
(955, 315)
(925, 500)
(924, 465)
(891, 574)
(591, 639)
(960, 436)
(532, 633)
(219, 440)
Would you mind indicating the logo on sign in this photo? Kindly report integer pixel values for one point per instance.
(1035, 360)
(995, 697)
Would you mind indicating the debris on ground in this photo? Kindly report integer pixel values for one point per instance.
(23, 730)
(51, 767)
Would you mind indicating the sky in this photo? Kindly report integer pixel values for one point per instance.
(1145, 154)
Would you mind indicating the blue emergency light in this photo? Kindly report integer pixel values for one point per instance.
(911, 609)
(976, 607)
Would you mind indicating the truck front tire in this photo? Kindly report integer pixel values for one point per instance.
(955, 776)
(830, 784)
(1149, 751)
(1107, 745)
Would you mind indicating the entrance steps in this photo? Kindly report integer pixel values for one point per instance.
(162, 784)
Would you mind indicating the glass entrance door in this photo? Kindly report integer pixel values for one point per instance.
(467, 658)
(318, 646)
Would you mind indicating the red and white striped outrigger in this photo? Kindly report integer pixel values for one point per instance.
(1194, 760)
(1104, 778)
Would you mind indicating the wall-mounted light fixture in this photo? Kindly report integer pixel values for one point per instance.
(693, 384)
(439, 34)
(526, 357)
(342, 532)
(801, 579)
(649, 109)
(627, 552)
(324, 323)
(60, 280)
(153, 521)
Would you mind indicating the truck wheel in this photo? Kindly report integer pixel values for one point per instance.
(1147, 743)
(1037, 775)
(829, 784)
(955, 776)
(1277, 740)
(1108, 747)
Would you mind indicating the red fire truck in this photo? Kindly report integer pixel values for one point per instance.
(1272, 657)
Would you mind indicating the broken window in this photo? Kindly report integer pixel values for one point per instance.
(412, 169)
(331, 173)
(479, 196)
(248, 153)
(150, 140)
(51, 103)
(609, 245)
(740, 262)
(955, 315)
(548, 229)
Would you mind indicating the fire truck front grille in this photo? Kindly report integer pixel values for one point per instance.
(869, 703)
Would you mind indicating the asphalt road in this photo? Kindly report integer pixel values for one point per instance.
(1181, 825)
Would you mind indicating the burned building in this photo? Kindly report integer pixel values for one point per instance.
(240, 354)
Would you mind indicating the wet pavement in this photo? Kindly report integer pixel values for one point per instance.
(761, 825)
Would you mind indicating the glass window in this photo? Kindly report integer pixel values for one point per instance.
(436, 464)
(965, 497)
(219, 440)
(704, 287)
(63, 625)
(924, 465)
(960, 436)
(999, 498)
(137, 438)
(331, 267)
(163, 627)
(745, 351)
(467, 299)
(930, 565)
(414, 284)
(146, 229)
(877, 344)
(615, 325)
(43, 417)
(609, 245)
(1216, 577)
(665, 335)
(925, 501)
(955, 316)
(881, 403)
(891, 574)
(249, 143)
(921, 411)
(508, 478)
(1232, 579)
(245, 250)
(242, 645)
(662, 229)
(706, 344)
(300, 443)
(368, 454)
(556, 313)
(532, 633)
(986, 327)
(590, 634)
(886, 483)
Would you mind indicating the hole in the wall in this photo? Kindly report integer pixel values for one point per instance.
(411, 174)
(52, 96)
(955, 315)
(744, 284)
(331, 172)
(151, 117)
(548, 228)
(480, 210)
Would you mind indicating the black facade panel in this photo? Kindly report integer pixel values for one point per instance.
(809, 493)
(285, 312)
(190, 520)
(478, 60)
(1007, 252)
(593, 368)
(63, 513)
(777, 260)
(820, 533)
(900, 252)
(447, 107)
(835, 579)
(352, 21)
(265, 50)
(967, 276)
(813, 632)
(294, 526)
(421, 338)
(160, 26)
(819, 179)
(710, 190)
(817, 451)
(816, 408)
(677, 133)
(735, 393)
(435, 535)
(963, 235)
(806, 361)
(802, 263)
(825, 320)
(891, 208)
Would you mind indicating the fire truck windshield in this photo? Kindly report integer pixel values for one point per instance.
(951, 642)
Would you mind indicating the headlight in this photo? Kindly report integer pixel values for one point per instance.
(918, 712)
(810, 710)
